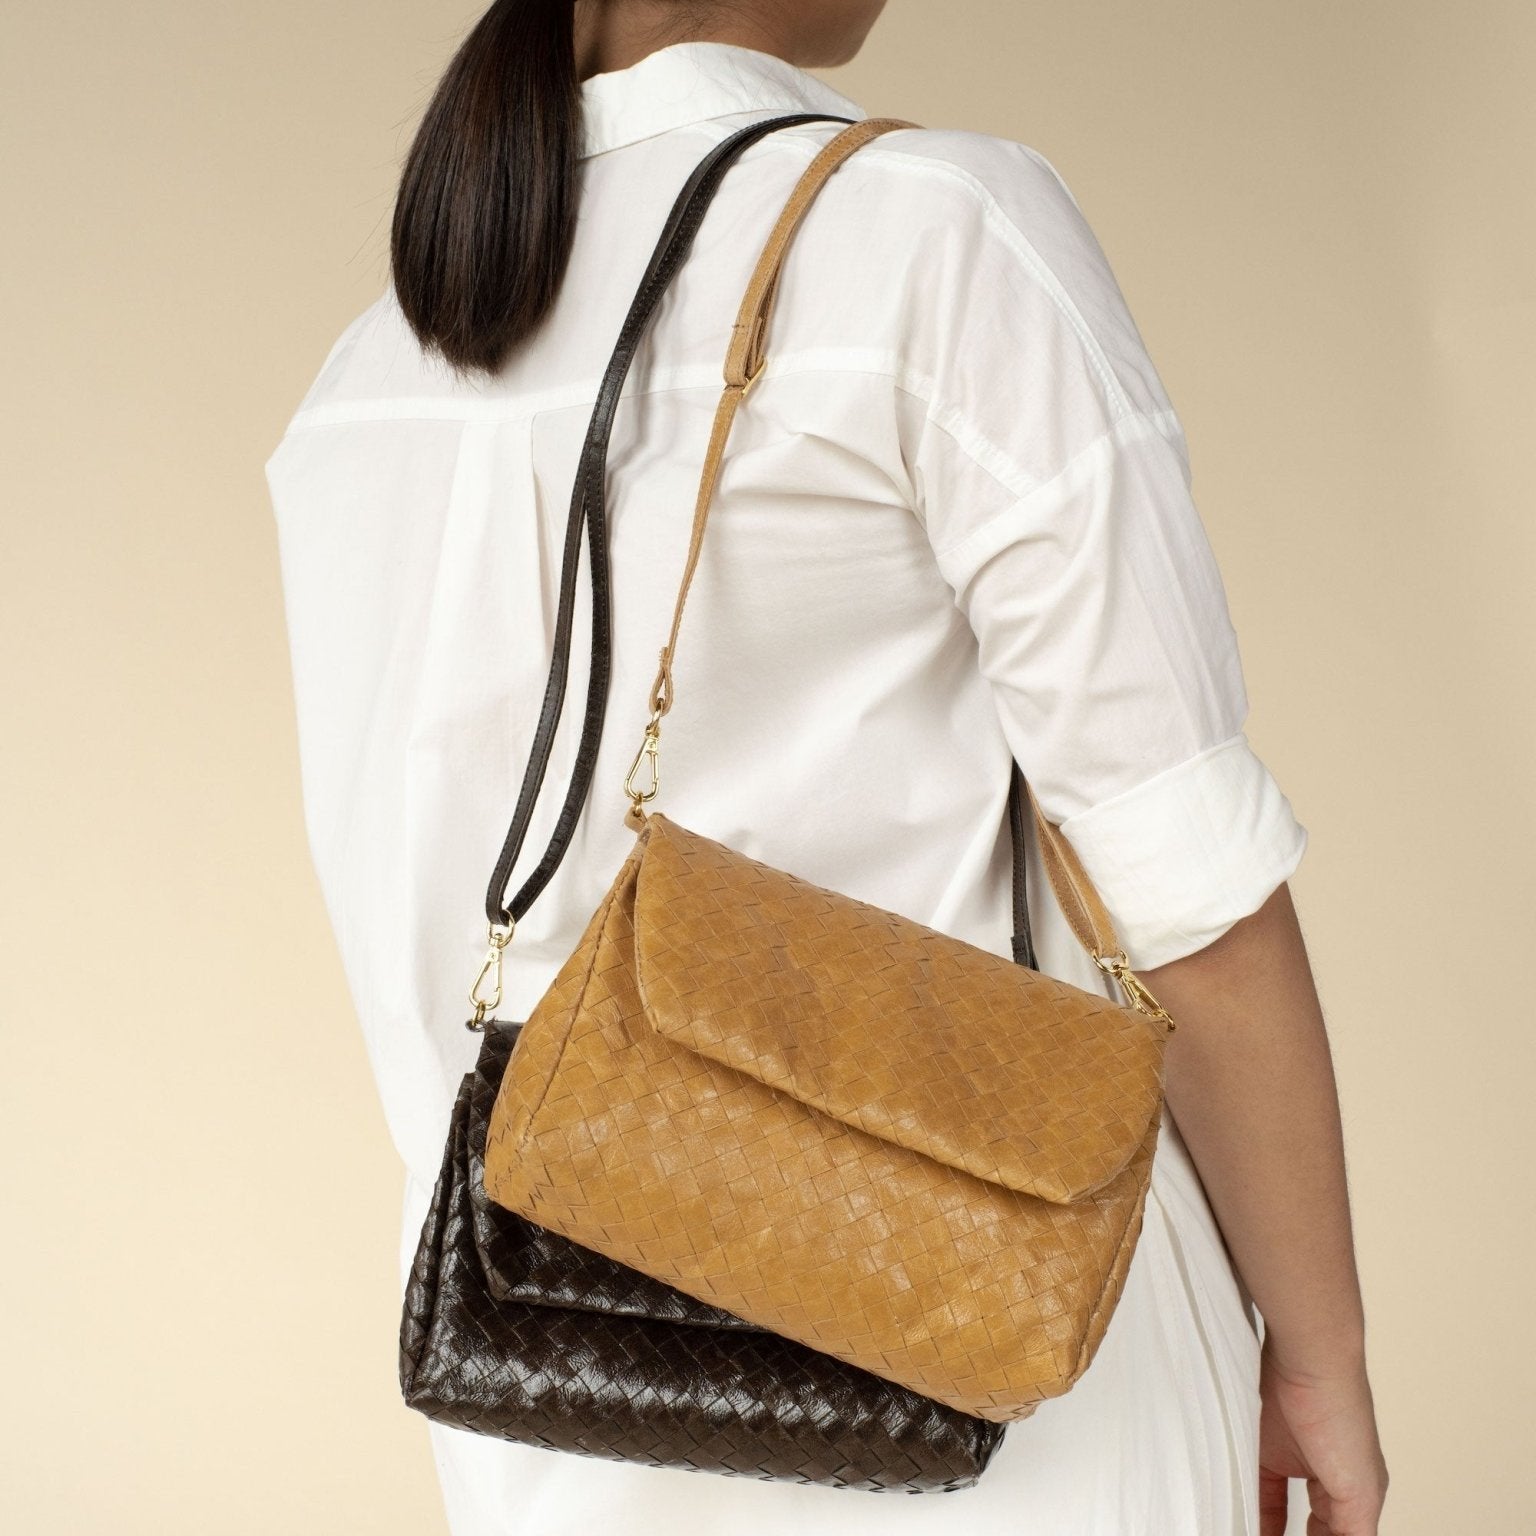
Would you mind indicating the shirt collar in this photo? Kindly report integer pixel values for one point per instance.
(691, 83)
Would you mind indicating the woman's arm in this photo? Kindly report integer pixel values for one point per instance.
(1250, 1083)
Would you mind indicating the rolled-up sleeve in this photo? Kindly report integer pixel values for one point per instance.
(1190, 851)
(1055, 488)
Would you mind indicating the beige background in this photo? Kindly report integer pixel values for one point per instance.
(1320, 215)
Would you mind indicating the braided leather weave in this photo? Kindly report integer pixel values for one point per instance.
(526, 1263)
(812, 1181)
(865, 1135)
(597, 1360)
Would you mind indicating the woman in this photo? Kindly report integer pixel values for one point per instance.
(954, 528)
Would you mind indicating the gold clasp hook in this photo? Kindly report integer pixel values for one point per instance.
(498, 936)
(1136, 993)
(650, 745)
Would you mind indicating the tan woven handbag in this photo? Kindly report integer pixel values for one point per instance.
(871, 1137)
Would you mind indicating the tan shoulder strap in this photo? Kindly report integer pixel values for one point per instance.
(747, 355)
(744, 364)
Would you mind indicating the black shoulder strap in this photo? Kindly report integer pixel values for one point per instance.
(588, 505)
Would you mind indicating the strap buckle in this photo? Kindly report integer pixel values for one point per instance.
(753, 377)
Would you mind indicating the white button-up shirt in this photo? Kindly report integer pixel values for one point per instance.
(954, 526)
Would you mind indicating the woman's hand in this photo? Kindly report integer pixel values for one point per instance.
(1322, 1429)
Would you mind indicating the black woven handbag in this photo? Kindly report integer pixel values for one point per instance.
(513, 1331)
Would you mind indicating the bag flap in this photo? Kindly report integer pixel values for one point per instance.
(914, 1036)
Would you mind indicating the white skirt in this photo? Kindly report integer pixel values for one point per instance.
(1159, 1437)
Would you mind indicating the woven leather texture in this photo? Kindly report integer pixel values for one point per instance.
(815, 1179)
(629, 1387)
(767, 974)
(524, 1262)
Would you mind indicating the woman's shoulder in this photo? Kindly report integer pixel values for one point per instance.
(997, 252)
(940, 177)
(374, 359)
(978, 168)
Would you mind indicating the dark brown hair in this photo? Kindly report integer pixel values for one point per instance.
(487, 204)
